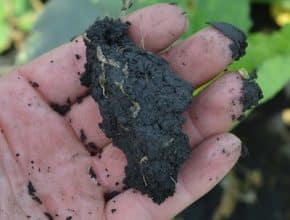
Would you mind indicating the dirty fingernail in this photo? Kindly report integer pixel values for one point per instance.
(238, 37)
(252, 94)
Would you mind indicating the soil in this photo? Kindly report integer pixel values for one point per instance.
(141, 101)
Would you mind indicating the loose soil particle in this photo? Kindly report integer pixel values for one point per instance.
(49, 216)
(61, 109)
(141, 101)
(32, 193)
(110, 195)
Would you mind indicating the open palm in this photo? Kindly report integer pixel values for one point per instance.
(46, 171)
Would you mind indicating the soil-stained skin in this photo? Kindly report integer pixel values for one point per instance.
(141, 101)
(239, 45)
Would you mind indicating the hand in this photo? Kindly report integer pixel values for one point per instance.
(46, 170)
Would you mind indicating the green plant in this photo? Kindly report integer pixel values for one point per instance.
(16, 19)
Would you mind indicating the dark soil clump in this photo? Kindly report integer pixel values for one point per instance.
(141, 101)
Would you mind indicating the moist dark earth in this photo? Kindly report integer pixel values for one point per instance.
(141, 101)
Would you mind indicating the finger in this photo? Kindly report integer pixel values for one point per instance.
(218, 107)
(157, 26)
(203, 55)
(207, 165)
(49, 154)
(57, 72)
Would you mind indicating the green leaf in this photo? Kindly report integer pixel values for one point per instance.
(20, 7)
(235, 12)
(264, 46)
(199, 12)
(273, 75)
(4, 36)
(25, 22)
(61, 20)
(2, 10)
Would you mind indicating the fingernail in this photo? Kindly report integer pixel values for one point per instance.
(238, 37)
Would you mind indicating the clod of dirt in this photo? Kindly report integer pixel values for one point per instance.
(238, 37)
(141, 101)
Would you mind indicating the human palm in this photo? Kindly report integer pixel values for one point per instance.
(47, 171)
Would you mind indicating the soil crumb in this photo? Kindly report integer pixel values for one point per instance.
(60, 109)
(32, 193)
(141, 101)
(110, 195)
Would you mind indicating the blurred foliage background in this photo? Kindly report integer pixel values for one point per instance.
(259, 186)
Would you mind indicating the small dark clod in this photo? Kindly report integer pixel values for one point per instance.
(238, 37)
(113, 210)
(110, 195)
(69, 218)
(34, 84)
(32, 193)
(80, 99)
(31, 189)
(48, 216)
(17, 154)
(83, 136)
(93, 149)
(51, 61)
(61, 109)
(78, 56)
(68, 101)
(92, 173)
